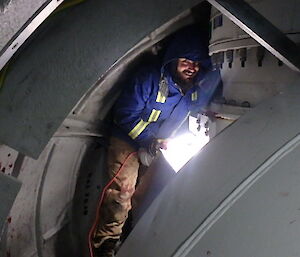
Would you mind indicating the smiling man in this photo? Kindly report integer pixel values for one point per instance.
(186, 70)
(152, 105)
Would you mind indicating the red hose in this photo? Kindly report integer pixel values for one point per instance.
(100, 203)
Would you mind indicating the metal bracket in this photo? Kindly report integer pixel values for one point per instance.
(260, 29)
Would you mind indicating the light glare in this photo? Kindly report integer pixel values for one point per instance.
(182, 148)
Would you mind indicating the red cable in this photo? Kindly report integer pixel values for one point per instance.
(100, 203)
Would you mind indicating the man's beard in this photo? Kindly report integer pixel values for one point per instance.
(184, 81)
(184, 84)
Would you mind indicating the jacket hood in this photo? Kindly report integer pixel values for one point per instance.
(190, 43)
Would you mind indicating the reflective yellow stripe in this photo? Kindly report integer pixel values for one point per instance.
(138, 129)
(154, 115)
(160, 98)
(194, 96)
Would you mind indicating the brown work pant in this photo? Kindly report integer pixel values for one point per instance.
(117, 200)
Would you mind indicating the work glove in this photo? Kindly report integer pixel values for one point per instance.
(157, 144)
(146, 156)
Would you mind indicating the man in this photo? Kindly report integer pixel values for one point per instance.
(149, 109)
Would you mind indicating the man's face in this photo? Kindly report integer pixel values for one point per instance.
(187, 69)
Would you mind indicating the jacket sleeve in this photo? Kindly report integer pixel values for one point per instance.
(130, 105)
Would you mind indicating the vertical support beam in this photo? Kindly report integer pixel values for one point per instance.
(259, 28)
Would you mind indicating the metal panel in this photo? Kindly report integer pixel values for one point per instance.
(265, 221)
(205, 189)
(13, 15)
(248, 19)
(47, 218)
(67, 56)
(23, 34)
(9, 188)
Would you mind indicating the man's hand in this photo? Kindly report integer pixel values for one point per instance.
(162, 143)
(157, 144)
(146, 156)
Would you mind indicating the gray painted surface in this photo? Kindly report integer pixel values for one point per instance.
(69, 54)
(13, 15)
(265, 221)
(193, 198)
(3, 3)
(25, 32)
(9, 188)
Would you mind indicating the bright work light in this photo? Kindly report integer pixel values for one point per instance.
(183, 147)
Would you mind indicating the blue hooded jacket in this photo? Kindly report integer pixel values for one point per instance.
(147, 109)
